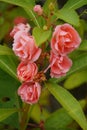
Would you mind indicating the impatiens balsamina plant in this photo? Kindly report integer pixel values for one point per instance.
(48, 49)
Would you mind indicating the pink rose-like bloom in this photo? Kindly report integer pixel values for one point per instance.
(59, 65)
(38, 9)
(65, 39)
(24, 47)
(20, 27)
(26, 71)
(30, 92)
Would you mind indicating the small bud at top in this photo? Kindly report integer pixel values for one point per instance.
(38, 9)
(51, 6)
(45, 27)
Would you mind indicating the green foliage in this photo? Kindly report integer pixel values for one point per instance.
(5, 50)
(59, 129)
(47, 6)
(54, 120)
(71, 4)
(36, 114)
(9, 64)
(8, 99)
(5, 113)
(68, 102)
(22, 3)
(40, 35)
(69, 16)
(4, 29)
(83, 46)
(76, 79)
(11, 109)
(27, 5)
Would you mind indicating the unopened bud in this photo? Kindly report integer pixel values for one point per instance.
(38, 9)
(44, 27)
(51, 6)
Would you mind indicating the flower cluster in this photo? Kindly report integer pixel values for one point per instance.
(25, 48)
(64, 40)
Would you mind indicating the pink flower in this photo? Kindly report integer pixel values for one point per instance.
(38, 9)
(24, 47)
(59, 65)
(20, 27)
(26, 71)
(30, 92)
(65, 39)
(19, 20)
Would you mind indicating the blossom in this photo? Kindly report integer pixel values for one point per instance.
(59, 65)
(30, 92)
(38, 9)
(21, 27)
(24, 47)
(26, 71)
(65, 39)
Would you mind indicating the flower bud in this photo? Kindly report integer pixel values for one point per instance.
(51, 6)
(44, 27)
(38, 9)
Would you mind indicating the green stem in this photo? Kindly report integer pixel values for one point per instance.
(18, 106)
(25, 117)
(32, 15)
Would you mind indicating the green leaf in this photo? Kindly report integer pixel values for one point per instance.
(71, 4)
(83, 46)
(4, 29)
(27, 5)
(58, 119)
(75, 80)
(40, 35)
(59, 129)
(71, 105)
(5, 113)
(9, 64)
(22, 3)
(8, 90)
(69, 16)
(36, 113)
(5, 50)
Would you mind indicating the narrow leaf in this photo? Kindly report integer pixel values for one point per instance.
(71, 105)
(71, 4)
(76, 79)
(68, 16)
(5, 113)
(59, 129)
(22, 3)
(58, 119)
(5, 50)
(9, 64)
(27, 5)
(83, 46)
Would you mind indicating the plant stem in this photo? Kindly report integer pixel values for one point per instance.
(25, 117)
